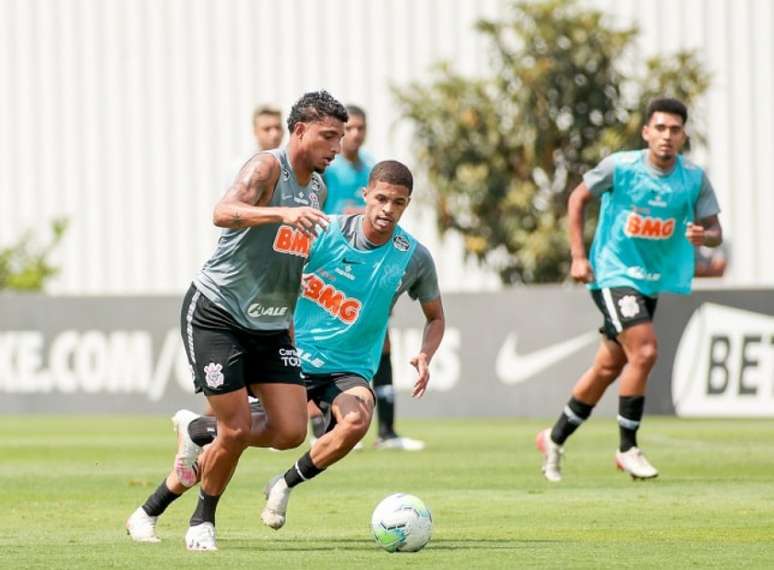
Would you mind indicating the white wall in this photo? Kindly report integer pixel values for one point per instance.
(125, 115)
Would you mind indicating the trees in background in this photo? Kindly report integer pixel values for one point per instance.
(503, 150)
(26, 265)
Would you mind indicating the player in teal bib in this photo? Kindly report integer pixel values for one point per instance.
(640, 239)
(356, 271)
(348, 174)
(345, 179)
(656, 208)
(342, 312)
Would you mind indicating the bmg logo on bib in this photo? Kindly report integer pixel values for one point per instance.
(649, 228)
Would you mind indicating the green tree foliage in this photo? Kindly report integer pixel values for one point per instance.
(503, 150)
(25, 265)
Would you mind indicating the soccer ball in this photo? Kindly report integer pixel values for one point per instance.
(401, 523)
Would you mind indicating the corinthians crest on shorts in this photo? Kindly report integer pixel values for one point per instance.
(213, 375)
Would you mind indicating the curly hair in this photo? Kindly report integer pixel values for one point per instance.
(314, 106)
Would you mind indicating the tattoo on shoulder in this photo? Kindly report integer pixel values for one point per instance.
(252, 181)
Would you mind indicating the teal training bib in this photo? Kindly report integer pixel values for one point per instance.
(342, 312)
(640, 238)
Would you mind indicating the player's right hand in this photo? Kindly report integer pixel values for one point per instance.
(305, 219)
(580, 270)
(423, 369)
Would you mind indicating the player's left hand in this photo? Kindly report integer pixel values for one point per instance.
(420, 363)
(695, 233)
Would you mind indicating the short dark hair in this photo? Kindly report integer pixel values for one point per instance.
(269, 110)
(392, 172)
(356, 111)
(666, 105)
(314, 106)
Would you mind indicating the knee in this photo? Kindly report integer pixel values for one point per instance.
(607, 372)
(645, 355)
(235, 435)
(354, 426)
(290, 436)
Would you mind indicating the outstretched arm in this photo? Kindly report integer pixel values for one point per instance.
(435, 324)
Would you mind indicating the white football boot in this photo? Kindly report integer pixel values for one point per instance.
(277, 495)
(187, 451)
(201, 537)
(142, 527)
(404, 443)
(552, 454)
(635, 464)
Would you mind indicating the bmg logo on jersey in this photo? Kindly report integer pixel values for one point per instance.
(294, 242)
(289, 357)
(649, 228)
(346, 309)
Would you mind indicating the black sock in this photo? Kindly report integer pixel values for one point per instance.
(385, 397)
(630, 410)
(158, 502)
(318, 425)
(573, 415)
(302, 471)
(205, 509)
(203, 430)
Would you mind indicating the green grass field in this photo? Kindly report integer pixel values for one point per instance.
(68, 484)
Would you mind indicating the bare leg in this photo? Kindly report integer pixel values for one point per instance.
(608, 363)
(588, 390)
(353, 410)
(234, 422)
(284, 424)
(174, 485)
(641, 348)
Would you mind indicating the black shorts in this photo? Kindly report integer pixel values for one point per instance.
(322, 389)
(623, 307)
(225, 356)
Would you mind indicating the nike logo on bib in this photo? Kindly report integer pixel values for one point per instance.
(514, 368)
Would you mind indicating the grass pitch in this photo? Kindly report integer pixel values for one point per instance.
(67, 484)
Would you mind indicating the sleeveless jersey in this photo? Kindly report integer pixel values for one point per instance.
(640, 238)
(345, 302)
(255, 273)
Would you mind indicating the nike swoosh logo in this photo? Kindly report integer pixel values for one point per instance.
(351, 261)
(513, 368)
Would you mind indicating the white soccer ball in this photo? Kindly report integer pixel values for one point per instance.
(401, 523)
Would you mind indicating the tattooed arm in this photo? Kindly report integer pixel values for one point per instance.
(255, 182)
(245, 204)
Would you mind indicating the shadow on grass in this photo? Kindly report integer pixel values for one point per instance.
(332, 544)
